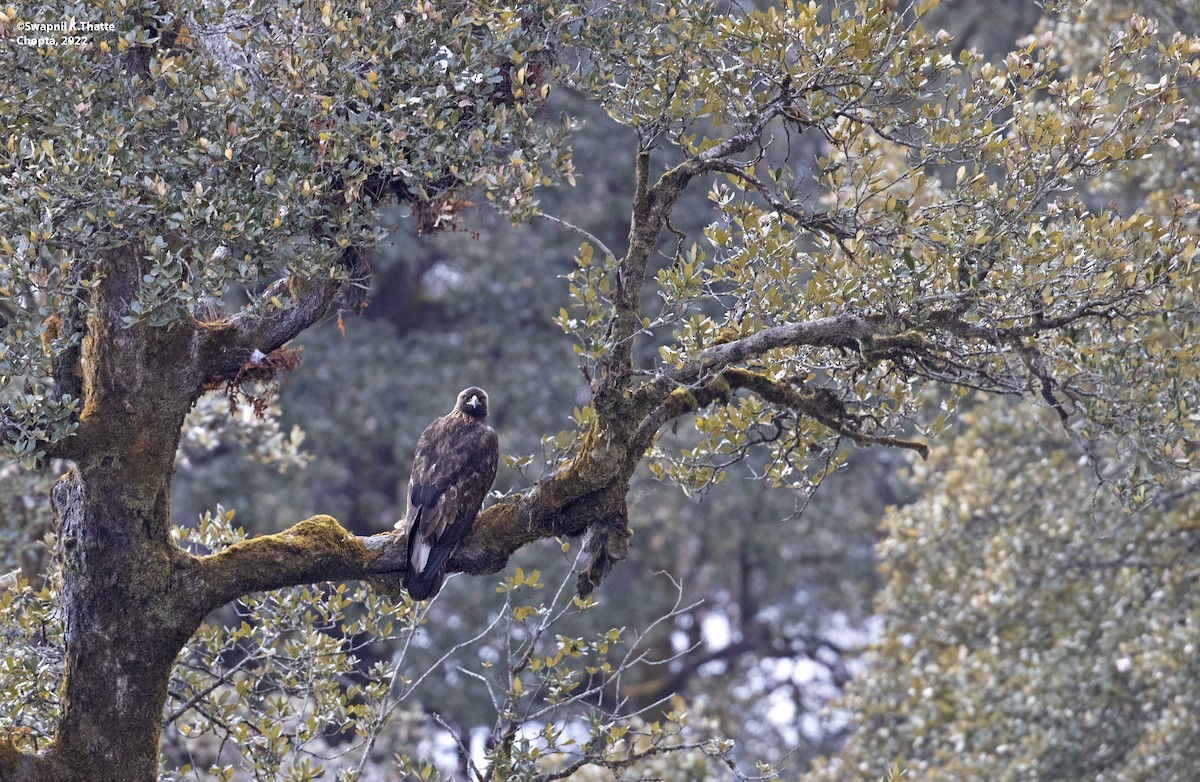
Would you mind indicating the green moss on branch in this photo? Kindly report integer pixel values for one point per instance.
(590, 491)
(314, 550)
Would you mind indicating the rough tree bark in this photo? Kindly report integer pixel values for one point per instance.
(129, 592)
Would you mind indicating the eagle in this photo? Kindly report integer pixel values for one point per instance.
(452, 472)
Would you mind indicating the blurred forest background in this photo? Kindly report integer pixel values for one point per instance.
(1024, 626)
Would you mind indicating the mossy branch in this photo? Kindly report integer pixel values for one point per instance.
(590, 492)
(314, 550)
(587, 494)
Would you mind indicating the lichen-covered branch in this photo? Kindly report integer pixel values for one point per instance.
(589, 493)
(315, 549)
(819, 404)
(229, 343)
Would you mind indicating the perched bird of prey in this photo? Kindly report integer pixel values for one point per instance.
(452, 472)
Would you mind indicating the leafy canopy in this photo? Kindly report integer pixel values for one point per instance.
(231, 144)
(928, 215)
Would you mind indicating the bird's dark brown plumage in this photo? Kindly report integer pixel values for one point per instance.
(452, 472)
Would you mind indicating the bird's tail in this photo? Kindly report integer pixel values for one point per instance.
(423, 585)
(425, 579)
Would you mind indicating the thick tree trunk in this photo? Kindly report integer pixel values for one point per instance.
(132, 597)
(126, 617)
(127, 611)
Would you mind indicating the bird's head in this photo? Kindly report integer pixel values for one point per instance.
(472, 402)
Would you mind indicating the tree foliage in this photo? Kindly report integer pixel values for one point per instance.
(892, 222)
(1036, 626)
(1034, 629)
(283, 126)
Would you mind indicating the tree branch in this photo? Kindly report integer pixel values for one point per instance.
(823, 222)
(842, 330)
(878, 334)
(314, 550)
(588, 235)
(820, 404)
(589, 492)
(652, 206)
(228, 344)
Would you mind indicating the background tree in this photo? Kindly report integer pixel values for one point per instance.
(1034, 628)
(887, 217)
(1036, 625)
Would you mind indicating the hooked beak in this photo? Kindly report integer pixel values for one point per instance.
(473, 402)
